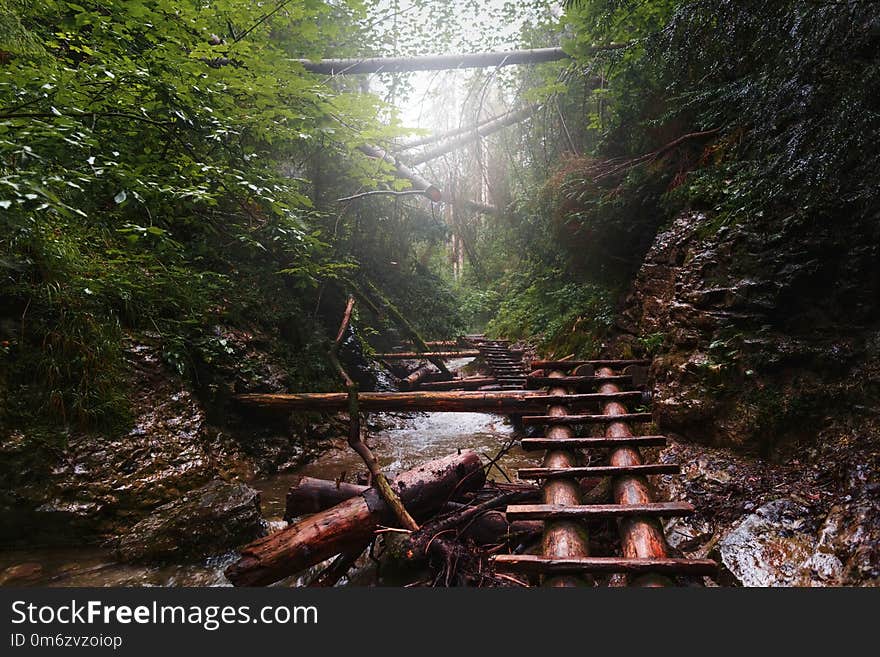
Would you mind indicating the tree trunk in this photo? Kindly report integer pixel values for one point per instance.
(311, 495)
(479, 131)
(418, 182)
(400, 320)
(468, 129)
(431, 62)
(417, 376)
(350, 524)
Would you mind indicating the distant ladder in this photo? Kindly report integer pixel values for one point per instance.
(505, 364)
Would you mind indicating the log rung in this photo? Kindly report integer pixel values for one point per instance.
(422, 355)
(530, 444)
(599, 471)
(587, 419)
(530, 563)
(571, 364)
(597, 511)
(552, 381)
(589, 397)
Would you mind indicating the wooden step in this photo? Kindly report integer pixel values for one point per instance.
(597, 511)
(587, 419)
(552, 381)
(531, 563)
(530, 444)
(600, 471)
(571, 364)
(586, 397)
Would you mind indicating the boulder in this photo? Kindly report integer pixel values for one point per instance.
(211, 519)
(771, 547)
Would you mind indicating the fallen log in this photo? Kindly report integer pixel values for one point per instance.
(399, 319)
(480, 131)
(418, 375)
(311, 495)
(350, 524)
(419, 183)
(455, 401)
(452, 344)
(467, 129)
(416, 355)
(432, 62)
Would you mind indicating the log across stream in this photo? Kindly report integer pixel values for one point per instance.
(403, 443)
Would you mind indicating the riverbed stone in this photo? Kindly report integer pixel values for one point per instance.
(216, 517)
(771, 547)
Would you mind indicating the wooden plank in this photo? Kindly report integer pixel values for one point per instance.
(544, 381)
(452, 401)
(535, 564)
(419, 355)
(471, 383)
(530, 444)
(571, 364)
(596, 511)
(587, 419)
(599, 471)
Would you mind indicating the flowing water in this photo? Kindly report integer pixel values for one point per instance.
(403, 442)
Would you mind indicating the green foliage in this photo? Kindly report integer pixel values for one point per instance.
(749, 111)
(560, 316)
(162, 171)
(652, 343)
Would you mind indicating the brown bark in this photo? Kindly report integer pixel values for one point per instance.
(352, 523)
(508, 401)
(311, 495)
(641, 537)
(415, 547)
(417, 376)
(530, 563)
(563, 539)
(354, 434)
(571, 364)
(470, 383)
(416, 355)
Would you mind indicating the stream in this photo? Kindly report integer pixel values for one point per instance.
(402, 442)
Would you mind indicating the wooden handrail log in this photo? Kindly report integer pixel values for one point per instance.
(453, 401)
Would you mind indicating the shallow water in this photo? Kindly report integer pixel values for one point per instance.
(405, 441)
(413, 440)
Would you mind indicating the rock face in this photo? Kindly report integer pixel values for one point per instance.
(89, 487)
(208, 520)
(766, 344)
(758, 332)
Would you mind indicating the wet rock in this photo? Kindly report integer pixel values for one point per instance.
(21, 574)
(771, 547)
(211, 519)
(76, 487)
